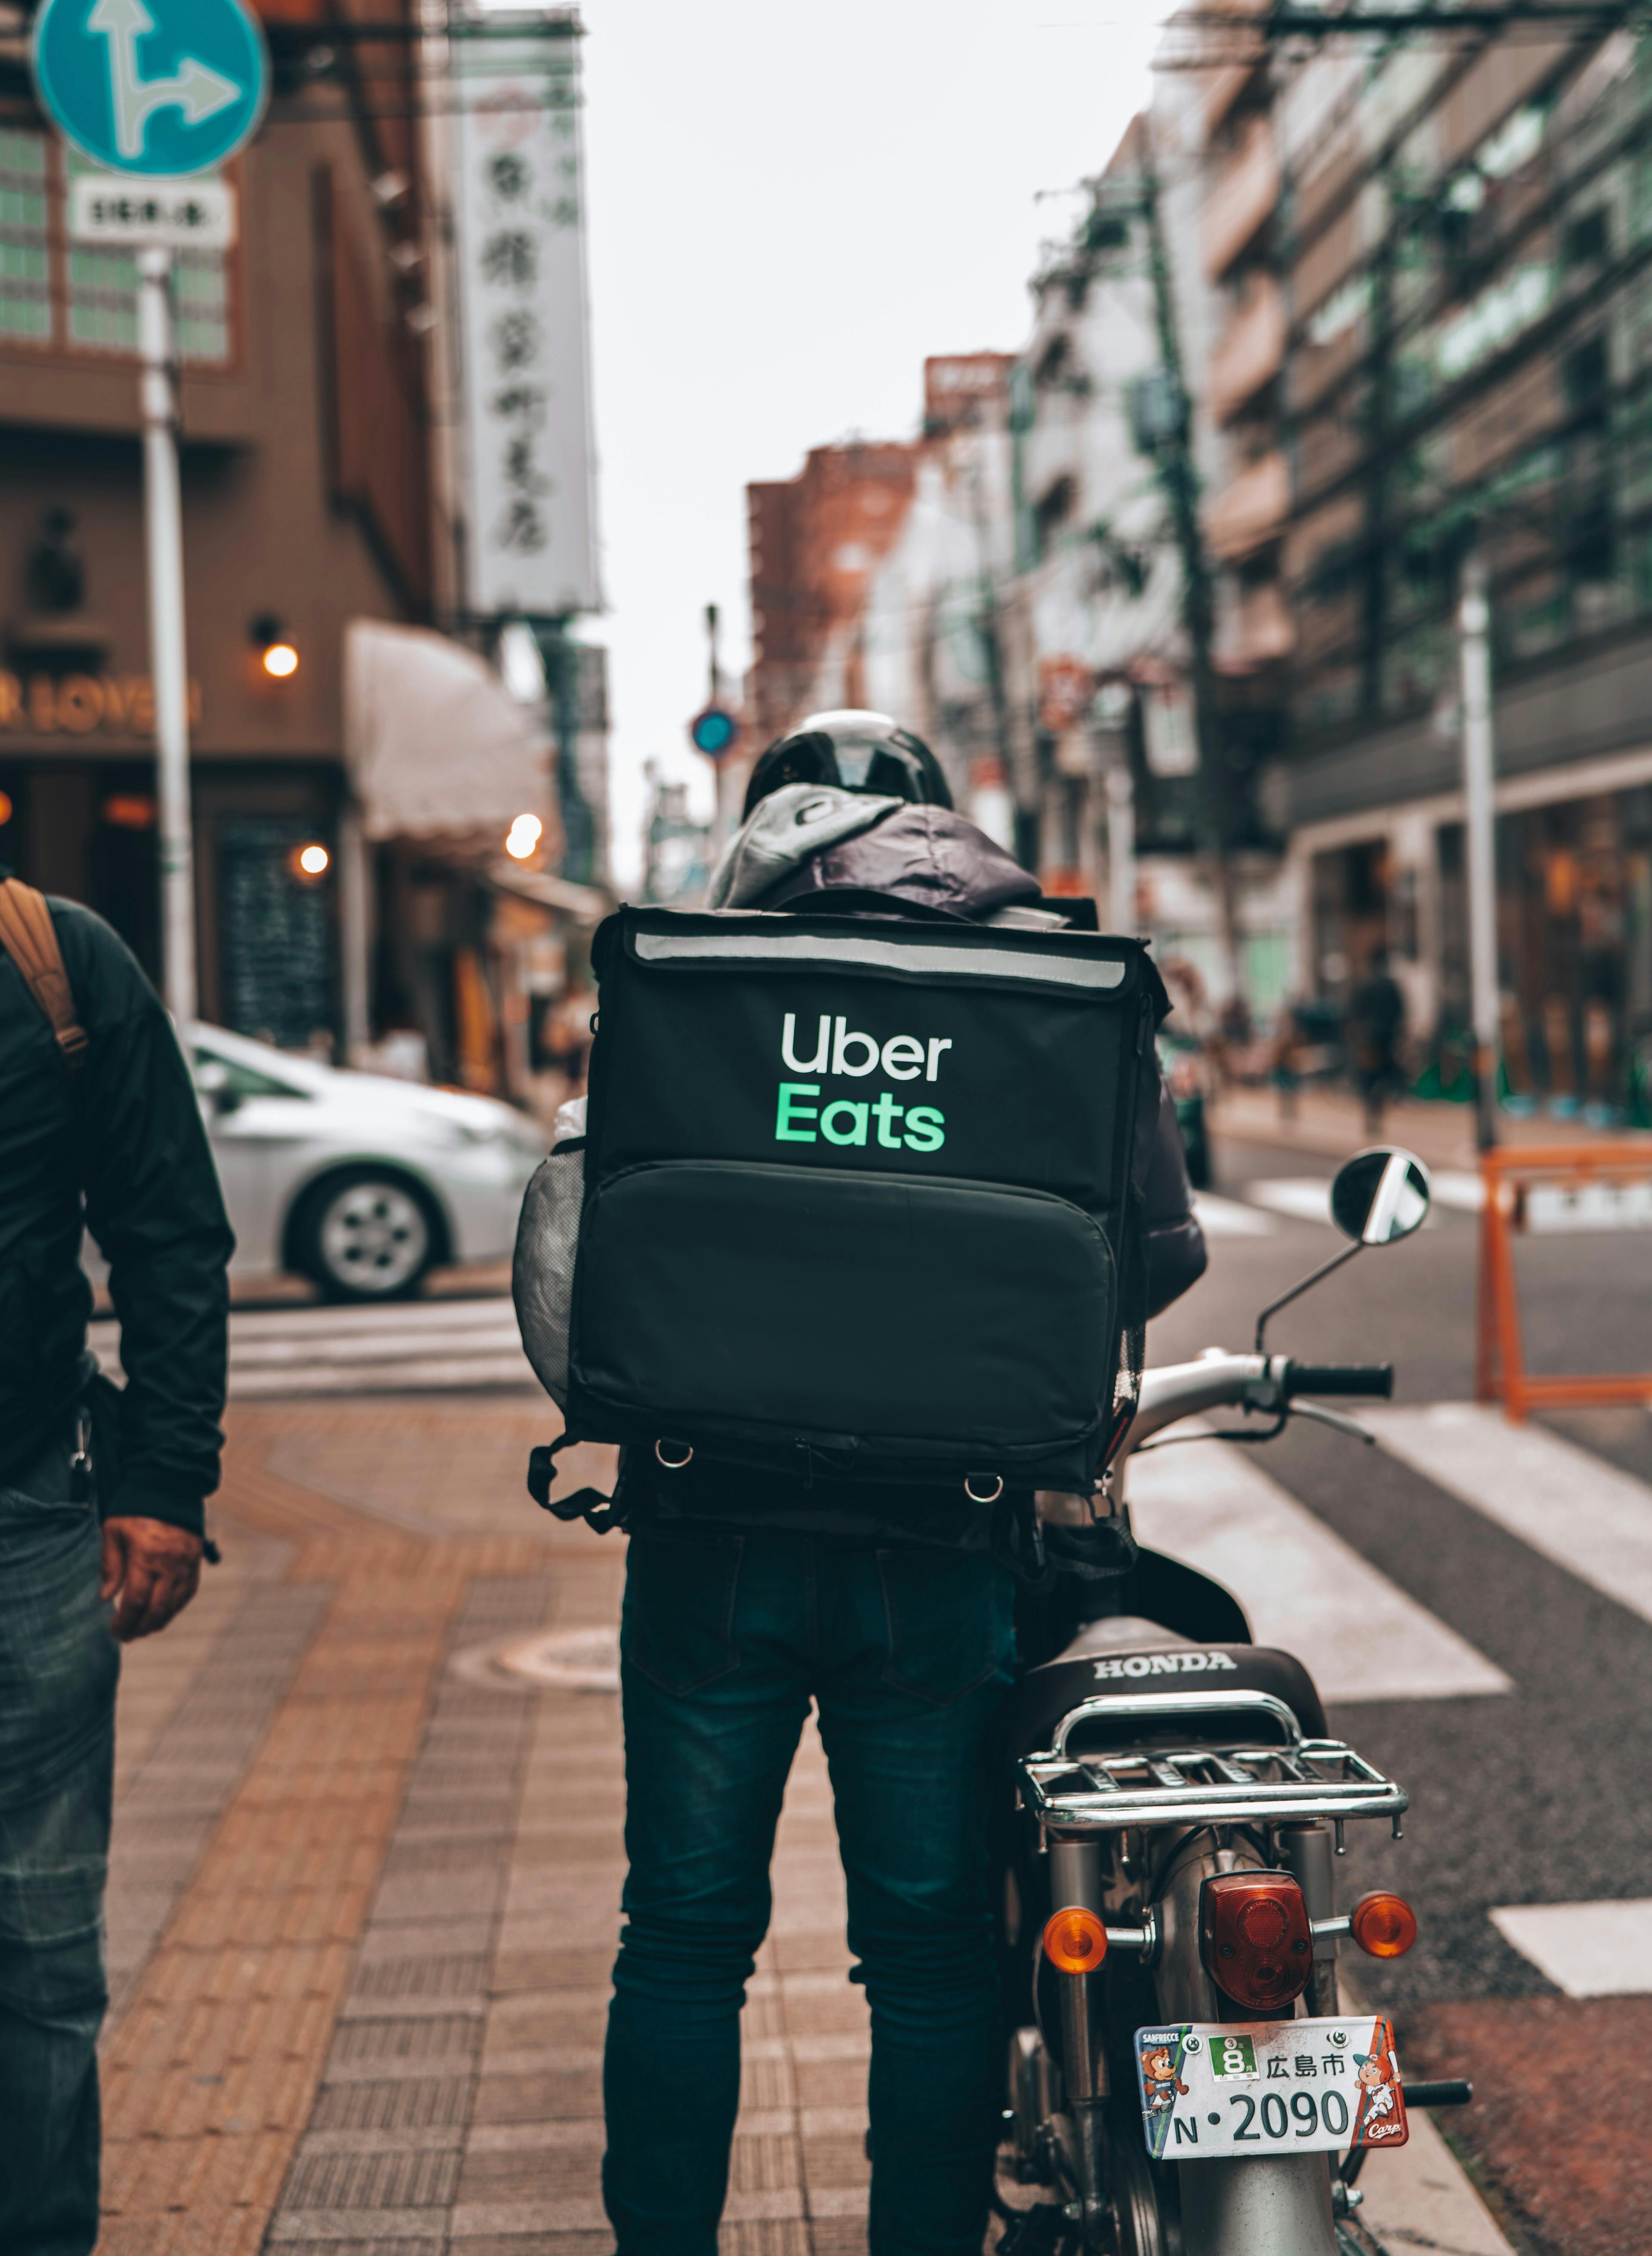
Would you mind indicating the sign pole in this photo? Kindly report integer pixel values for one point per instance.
(163, 545)
(1474, 620)
(156, 94)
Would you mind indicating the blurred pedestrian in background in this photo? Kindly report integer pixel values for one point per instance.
(99, 1129)
(1376, 1025)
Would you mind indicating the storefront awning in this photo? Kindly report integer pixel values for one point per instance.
(584, 903)
(436, 746)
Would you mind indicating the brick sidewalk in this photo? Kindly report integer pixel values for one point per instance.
(365, 1883)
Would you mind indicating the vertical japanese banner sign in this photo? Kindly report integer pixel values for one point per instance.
(520, 252)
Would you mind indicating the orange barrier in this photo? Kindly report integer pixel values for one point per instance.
(1593, 1172)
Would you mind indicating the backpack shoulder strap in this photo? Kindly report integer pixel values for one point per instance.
(29, 938)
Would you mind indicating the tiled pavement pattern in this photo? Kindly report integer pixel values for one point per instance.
(365, 1886)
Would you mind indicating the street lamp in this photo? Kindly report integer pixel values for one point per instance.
(276, 654)
(523, 838)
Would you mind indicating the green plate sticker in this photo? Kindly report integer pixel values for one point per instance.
(1232, 2056)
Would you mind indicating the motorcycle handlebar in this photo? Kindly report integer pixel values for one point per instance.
(1375, 1378)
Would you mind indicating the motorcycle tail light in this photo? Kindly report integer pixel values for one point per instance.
(1074, 1941)
(1255, 1938)
(1383, 1924)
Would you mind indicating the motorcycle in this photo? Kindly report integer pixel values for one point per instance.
(1187, 2072)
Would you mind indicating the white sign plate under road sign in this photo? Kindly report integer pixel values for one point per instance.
(173, 214)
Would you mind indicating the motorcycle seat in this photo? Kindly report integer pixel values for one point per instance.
(1128, 1658)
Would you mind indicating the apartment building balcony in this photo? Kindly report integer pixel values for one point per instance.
(1223, 88)
(1250, 510)
(1242, 197)
(1257, 631)
(1252, 351)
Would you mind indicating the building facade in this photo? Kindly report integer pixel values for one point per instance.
(303, 476)
(317, 499)
(1465, 260)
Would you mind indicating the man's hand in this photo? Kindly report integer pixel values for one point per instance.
(151, 1570)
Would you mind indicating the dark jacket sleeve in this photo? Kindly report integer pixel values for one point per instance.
(154, 1207)
(1176, 1256)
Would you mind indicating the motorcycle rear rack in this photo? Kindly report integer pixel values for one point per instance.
(1204, 1786)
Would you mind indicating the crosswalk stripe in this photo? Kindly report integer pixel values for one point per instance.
(415, 1347)
(1572, 1507)
(405, 1377)
(1587, 1949)
(1305, 1198)
(1359, 1635)
(1226, 1217)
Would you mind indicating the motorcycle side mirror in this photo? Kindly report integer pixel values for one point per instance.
(1380, 1195)
(1376, 1197)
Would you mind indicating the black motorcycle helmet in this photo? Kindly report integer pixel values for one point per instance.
(864, 753)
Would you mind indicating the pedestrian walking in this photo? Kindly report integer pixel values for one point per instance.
(750, 1593)
(1376, 1025)
(102, 1490)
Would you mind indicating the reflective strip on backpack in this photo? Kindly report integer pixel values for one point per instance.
(803, 948)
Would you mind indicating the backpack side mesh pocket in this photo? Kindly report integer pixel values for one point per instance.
(547, 1242)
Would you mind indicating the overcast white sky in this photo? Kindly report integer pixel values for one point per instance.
(790, 204)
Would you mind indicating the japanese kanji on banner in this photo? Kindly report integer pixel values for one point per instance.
(520, 252)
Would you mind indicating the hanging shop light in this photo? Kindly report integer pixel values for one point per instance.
(522, 840)
(277, 655)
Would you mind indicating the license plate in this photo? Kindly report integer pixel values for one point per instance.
(1233, 2089)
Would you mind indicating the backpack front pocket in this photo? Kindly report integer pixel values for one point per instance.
(866, 1313)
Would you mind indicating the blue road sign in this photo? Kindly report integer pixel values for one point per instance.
(159, 88)
(714, 732)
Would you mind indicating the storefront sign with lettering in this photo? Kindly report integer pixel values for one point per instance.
(81, 704)
(521, 278)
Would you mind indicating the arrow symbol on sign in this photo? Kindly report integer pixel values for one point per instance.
(197, 89)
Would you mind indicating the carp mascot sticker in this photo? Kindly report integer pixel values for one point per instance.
(1161, 2055)
(1380, 2120)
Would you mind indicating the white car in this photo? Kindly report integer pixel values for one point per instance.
(357, 1181)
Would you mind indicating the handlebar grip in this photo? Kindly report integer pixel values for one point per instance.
(1448, 2094)
(1340, 1379)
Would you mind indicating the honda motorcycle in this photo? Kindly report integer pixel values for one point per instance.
(1188, 2074)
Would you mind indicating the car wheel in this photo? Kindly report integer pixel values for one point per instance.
(367, 1235)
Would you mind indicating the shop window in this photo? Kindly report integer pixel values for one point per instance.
(1053, 512)
(1588, 238)
(1594, 542)
(84, 296)
(276, 935)
(1587, 376)
(25, 270)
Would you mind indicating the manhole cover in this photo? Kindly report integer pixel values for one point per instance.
(572, 1660)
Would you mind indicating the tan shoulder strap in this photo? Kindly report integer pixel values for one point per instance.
(30, 939)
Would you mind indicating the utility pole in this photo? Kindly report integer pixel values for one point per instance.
(1121, 850)
(1474, 618)
(164, 544)
(723, 825)
(1179, 476)
(1028, 821)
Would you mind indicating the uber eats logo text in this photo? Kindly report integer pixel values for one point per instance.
(838, 1049)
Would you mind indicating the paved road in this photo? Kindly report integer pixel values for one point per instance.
(1477, 1603)
(1533, 1551)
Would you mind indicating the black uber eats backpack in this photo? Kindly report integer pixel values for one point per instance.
(861, 1198)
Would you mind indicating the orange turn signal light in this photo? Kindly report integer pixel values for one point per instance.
(1383, 1924)
(1074, 1941)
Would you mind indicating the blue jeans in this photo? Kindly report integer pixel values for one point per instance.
(59, 1666)
(906, 1651)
